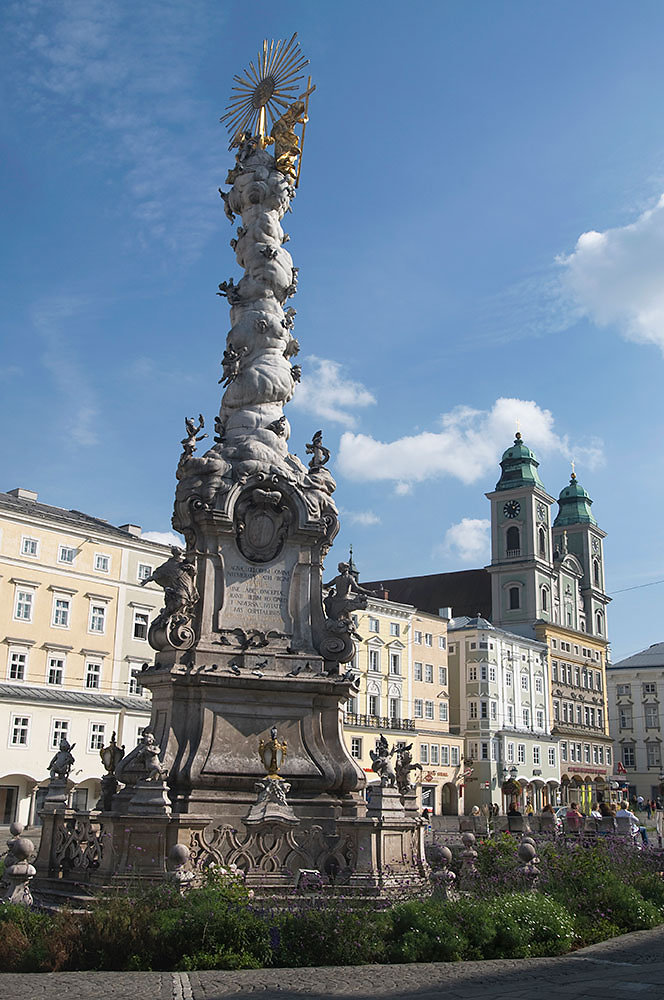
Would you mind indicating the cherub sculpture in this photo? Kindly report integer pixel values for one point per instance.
(230, 364)
(320, 455)
(189, 442)
(344, 595)
(176, 576)
(63, 760)
(381, 763)
(148, 756)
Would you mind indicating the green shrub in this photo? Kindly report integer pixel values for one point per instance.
(312, 935)
(530, 925)
(24, 936)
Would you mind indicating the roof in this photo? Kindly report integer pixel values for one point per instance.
(72, 518)
(77, 699)
(465, 622)
(519, 467)
(467, 592)
(574, 503)
(653, 656)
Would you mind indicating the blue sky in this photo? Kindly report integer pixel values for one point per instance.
(480, 239)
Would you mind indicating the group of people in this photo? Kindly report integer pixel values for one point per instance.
(574, 817)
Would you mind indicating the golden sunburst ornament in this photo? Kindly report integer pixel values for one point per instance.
(267, 89)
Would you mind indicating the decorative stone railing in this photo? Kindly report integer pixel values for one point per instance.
(378, 722)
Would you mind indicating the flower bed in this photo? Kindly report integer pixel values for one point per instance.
(585, 894)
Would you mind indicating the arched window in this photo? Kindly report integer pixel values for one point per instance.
(596, 573)
(513, 541)
(515, 597)
(545, 599)
(599, 622)
(542, 543)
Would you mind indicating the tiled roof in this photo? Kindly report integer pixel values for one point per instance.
(77, 699)
(467, 592)
(653, 656)
(73, 518)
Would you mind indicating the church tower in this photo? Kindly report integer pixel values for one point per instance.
(575, 531)
(522, 569)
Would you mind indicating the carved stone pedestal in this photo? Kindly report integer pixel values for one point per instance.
(150, 798)
(57, 794)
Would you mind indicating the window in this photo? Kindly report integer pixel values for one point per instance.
(508, 680)
(513, 541)
(524, 682)
(578, 715)
(652, 716)
(442, 676)
(418, 708)
(394, 711)
(418, 674)
(18, 662)
(654, 755)
(596, 573)
(61, 612)
(600, 754)
(428, 673)
(97, 618)
(577, 676)
(417, 638)
(135, 686)
(59, 731)
(97, 736)
(472, 709)
(428, 639)
(435, 753)
(472, 673)
(144, 571)
(540, 719)
(514, 599)
(102, 562)
(552, 756)
(545, 599)
(600, 718)
(526, 716)
(521, 753)
(374, 660)
(625, 716)
(484, 751)
(395, 663)
(424, 753)
(373, 704)
(473, 751)
(66, 554)
(356, 747)
(351, 704)
(444, 755)
(23, 605)
(649, 690)
(443, 711)
(599, 623)
(586, 753)
(510, 714)
(484, 710)
(539, 686)
(595, 754)
(452, 647)
(608, 756)
(141, 620)
(30, 547)
(628, 755)
(56, 670)
(428, 710)
(494, 710)
(483, 672)
(455, 757)
(537, 756)
(93, 675)
(563, 751)
(395, 628)
(556, 711)
(510, 753)
(442, 642)
(19, 731)
(624, 690)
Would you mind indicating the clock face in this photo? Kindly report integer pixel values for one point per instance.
(595, 544)
(541, 512)
(512, 508)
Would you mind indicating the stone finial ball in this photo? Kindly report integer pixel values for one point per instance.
(526, 852)
(16, 829)
(22, 848)
(179, 854)
(468, 840)
(440, 855)
(445, 855)
(528, 840)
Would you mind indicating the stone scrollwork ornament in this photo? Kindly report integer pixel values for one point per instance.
(174, 625)
(262, 522)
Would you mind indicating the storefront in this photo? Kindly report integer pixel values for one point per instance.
(585, 786)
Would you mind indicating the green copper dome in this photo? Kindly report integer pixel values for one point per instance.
(519, 467)
(574, 505)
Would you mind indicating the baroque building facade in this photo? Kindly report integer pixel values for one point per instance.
(635, 692)
(546, 582)
(402, 690)
(74, 619)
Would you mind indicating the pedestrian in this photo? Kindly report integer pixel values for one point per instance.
(574, 818)
(648, 808)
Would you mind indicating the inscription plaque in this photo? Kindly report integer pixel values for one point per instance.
(257, 596)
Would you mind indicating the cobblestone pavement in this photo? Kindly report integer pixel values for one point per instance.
(626, 967)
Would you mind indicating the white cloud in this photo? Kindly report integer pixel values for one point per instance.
(467, 447)
(162, 538)
(327, 392)
(363, 517)
(469, 540)
(616, 278)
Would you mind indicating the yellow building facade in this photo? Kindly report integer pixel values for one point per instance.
(74, 622)
(403, 693)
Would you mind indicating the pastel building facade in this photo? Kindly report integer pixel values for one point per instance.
(74, 621)
(635, 695)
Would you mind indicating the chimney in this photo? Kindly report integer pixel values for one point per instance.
(131, 529)
(445, 613)
(386, 594)
(22, 494)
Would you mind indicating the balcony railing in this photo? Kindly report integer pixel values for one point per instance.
(377, 722)
(513, 553)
